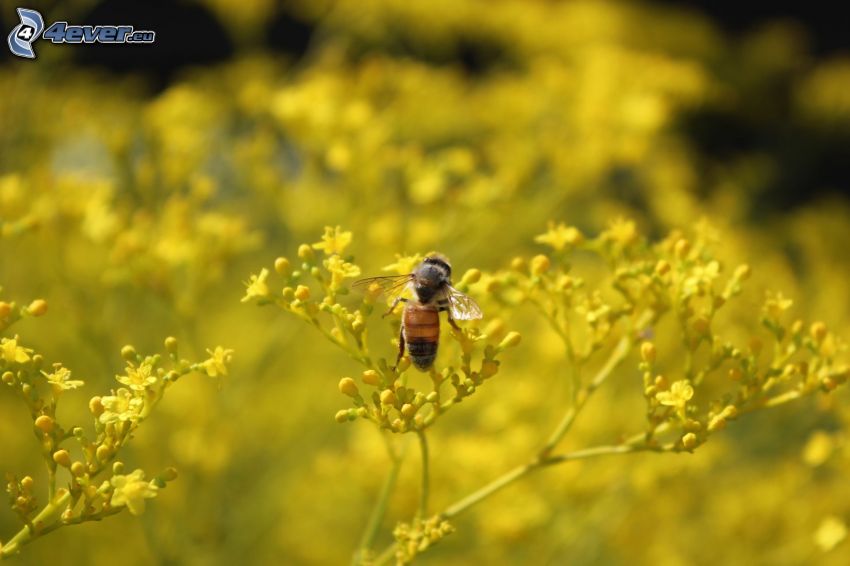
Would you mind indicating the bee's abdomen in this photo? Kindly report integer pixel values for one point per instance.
(422, 333)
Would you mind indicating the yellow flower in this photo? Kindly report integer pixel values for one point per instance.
(138, 378)
(622, 231)
(678, 395)
(775, 305)
(218, 362)
(560, 236)
(340, 269)
(121, 407)
(12, 353)
(61, 380)
(334, 241)
(132, 490)
(257, 287)
(701, 278)
(404, 264)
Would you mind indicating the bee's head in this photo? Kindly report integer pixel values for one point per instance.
(430, 275)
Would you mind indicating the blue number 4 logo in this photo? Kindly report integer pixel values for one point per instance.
(22, 35)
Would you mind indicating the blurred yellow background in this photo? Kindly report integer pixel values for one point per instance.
(138, 209)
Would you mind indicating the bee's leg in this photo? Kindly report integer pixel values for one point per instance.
(400, 347)
(395, 303)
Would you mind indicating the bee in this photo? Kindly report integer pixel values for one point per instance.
(431, 287)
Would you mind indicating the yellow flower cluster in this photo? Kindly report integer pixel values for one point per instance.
(634, 287)
(117, 416)
(392, 404)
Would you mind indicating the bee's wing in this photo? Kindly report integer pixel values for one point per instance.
(391, 285)
(461, 306)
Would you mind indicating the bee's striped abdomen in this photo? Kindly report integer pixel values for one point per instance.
(421, 325)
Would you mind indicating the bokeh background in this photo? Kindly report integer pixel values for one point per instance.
(139, 186)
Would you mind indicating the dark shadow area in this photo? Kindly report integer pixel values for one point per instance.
(288, 34)
(827, 24)
(186, 35)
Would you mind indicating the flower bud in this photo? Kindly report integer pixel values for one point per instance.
(302, 293)
(103, 452)
(509, 341)
(8, 378)
(169, 474)
(341, 416)
(281, 265)
(62, 457)
(118, 468)
(128, 353)
(408, 410)
(27, 483)
(742, 272)
(518, 264)
(662, 267)
(44, 423)
(37, 308)
(78, 468)
(5, 309)
(647, 352)
(305, 252)
(689, 441)
(388, 397)
(171, 345)
(371, 377)
(540, 264)
(348, 387)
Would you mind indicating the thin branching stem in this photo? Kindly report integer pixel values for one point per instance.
(380, 509)
(423, 500)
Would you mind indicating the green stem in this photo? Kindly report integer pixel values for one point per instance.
(26, 534)
(378, 512)
(634, 444)
(423, 501)
(618, 355)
